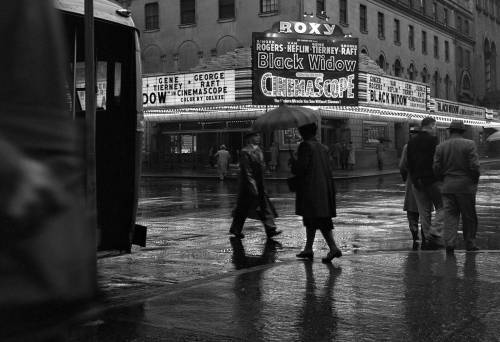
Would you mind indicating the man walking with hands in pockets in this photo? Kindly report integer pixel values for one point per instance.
(457, 162)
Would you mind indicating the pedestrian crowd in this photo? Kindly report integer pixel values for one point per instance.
(440, 181)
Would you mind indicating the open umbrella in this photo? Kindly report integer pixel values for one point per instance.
(494, 137)
(284, 117)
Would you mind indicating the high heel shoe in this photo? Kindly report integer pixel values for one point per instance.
(329, 257)
(305, 255)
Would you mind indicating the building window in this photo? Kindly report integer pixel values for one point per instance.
(397, 35)
(466, 27)
(381, 62)
(424, 42)
(363, 25)
(410, 4)
(487, 67)
(320, 7)
(412, 72)
(152, 20)
(424, 75)
(343, 12)
(446, 51)
(436, 47)
(268, 6)
(460, 57)
(226, 9)
(447, 86)
(459, 24)
(381, 25)
(372, 132)
(423, 5)
(435, 10)
(435, 84)
(188, 12)
(467, 58)
(398, 69)
(445, 16)
(411, 37)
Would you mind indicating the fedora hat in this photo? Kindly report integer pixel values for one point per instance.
(414, 129)
(457, 125)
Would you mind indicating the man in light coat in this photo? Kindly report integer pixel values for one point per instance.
(456, 161)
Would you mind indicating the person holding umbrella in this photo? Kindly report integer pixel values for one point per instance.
(252, 200)
(315, 193)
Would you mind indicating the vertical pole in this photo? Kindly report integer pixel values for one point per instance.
(90, 110)
(73, 90)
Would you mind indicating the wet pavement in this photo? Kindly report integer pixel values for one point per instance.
(194, 283)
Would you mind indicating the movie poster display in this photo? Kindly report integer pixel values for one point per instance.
(304, 70)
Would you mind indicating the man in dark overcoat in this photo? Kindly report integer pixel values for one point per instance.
(315, 196)
(420, 153)
(456, 161)
(252, 201)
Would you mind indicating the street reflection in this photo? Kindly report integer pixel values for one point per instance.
(318, 315)
(437, 294)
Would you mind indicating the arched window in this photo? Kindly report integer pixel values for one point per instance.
(151, 60)
(424, 75)
(226, 44)
(460, 56)
(487, 65)
(365, 51)
(381, 62)
(188, 56)
(398, 69)
(493, 62)
(466, 83)
(435, 84)
(412, 73)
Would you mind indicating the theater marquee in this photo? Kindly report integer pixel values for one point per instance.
(189, 89)
(305, 69)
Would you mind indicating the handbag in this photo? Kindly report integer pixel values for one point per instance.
(293, 183)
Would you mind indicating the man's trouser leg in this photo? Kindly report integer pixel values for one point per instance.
(413, 223)
(424, 205)
(467, 206)
(237, 224)
(451, 216)
(436, 229)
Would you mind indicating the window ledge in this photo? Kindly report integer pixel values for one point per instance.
(412, 48)
(268, 14)
(226, 20)
(344, 24)
(187, 25)
(397, 43)
(364, 31)
(152, 30)
(381, 37)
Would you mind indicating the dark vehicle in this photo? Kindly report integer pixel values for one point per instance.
(119, 117)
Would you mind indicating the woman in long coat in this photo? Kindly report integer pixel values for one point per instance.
(315, 194)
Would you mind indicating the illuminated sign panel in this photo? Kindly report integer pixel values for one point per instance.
(189, 89)
(304, 69)
(393, 93)
(450, 108)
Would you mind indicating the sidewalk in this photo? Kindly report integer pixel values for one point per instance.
(211, 173)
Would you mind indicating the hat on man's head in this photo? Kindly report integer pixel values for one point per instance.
(457, 125)
(414, 129)
(249, 133)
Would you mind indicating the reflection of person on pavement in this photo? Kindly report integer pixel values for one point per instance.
(318, 318)
(252, 199)
(247, 318)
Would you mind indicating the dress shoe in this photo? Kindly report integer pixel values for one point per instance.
(472, 248)
(329, 257)
(273, 233)
(237, 234)
(431, 246)
(305, 255)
